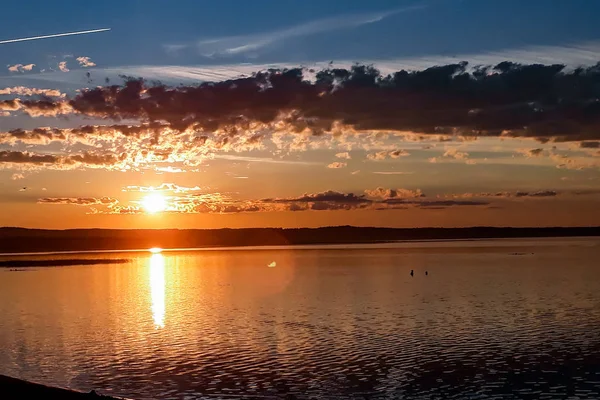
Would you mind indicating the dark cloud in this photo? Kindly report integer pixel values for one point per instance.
(450, 203)
(35, 136)
(589, 145)
(328, 196)
(376, 199)
(540, 101)
(541, 193)
(23, 157)
(535, 152)
(517, 194)
(84, 159)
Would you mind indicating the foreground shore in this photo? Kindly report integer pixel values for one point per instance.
(13, 389)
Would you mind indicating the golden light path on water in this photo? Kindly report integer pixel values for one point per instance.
(157, 288)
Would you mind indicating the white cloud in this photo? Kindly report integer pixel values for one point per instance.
(232, 45)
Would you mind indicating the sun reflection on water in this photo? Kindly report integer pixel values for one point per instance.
(157, 288)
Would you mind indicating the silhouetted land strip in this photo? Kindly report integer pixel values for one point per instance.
(17, 240)
(60, 262)
(13, 389)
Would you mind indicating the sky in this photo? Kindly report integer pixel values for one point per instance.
(197, 114)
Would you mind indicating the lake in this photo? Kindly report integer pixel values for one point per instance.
(492, 319)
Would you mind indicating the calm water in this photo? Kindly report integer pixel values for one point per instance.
(332, 322)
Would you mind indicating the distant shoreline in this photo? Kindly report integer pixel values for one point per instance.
(59, 262)
(22, 240)
(13, 388)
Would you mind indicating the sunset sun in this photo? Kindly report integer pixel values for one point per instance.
(154, 203)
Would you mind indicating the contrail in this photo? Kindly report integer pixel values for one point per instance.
(55, 35)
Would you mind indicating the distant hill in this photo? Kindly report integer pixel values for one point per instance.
(17, 240)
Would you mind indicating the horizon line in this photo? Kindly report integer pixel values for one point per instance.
(307, 227)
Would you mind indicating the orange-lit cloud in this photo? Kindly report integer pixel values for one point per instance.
(85, 62)
(20, 67)
(218, 203)
(25, 91)
(79, 201)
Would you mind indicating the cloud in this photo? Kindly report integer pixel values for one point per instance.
(79, 201)
(336, 164)
(538, 152)
(17, 176)
(382, 155)
(589, 145)
(383, 193)
(85, 62)
(63, 66)
(25, 91)
(232, 45)
(177, 128)
(454, 153)
(37, 108)
(327, 196)
(443, 100)
(21, 67)
(54, 161)
(194, 202)
(562, 160)
(344, 155)
(517, 194)
(163, 187)
(263, 160)
(9, 105)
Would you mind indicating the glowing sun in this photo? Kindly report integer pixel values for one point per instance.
(154, 203)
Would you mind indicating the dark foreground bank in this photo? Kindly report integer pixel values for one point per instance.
(60, 262)
(20, 240)
(13, 389)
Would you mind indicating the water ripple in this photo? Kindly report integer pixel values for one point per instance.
(320, 325)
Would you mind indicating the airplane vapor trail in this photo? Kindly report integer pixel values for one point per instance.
(54, 35)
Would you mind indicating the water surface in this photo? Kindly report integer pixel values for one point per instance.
(497, 319)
